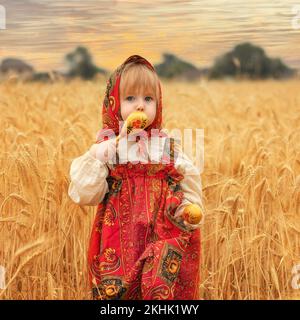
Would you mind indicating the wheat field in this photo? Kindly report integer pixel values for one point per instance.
(251, 185)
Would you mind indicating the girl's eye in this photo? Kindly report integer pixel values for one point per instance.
(130, 98)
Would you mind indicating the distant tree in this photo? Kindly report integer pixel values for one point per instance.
(81, 64)
(173, 67)
(41, 76)
(247, 60)
(224, 65)
(278, 68)
(15, 65)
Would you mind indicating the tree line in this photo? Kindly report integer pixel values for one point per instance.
(245, 60)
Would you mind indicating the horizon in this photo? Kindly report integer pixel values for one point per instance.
(195, 32)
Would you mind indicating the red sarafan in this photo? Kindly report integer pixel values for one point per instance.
(137, 249)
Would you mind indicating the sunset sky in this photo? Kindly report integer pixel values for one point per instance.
(41, 31)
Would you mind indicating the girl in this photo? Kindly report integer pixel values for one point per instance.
(140, 246)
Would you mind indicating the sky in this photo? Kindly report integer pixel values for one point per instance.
(42, 32)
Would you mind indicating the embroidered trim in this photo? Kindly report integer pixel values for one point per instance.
(111, 288)
(170, 265)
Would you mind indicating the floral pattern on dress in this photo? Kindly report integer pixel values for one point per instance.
(138, 250)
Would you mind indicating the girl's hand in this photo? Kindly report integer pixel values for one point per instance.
(104, 151)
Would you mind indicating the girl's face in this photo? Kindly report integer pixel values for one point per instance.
(139, 102)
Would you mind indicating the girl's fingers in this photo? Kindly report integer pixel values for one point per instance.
(191, 226)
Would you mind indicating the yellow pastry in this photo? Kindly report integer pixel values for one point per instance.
(136, 120)
(192, 214)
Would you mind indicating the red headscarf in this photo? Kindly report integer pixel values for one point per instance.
(111, 111)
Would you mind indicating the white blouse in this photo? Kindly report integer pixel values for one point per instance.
(88, 175)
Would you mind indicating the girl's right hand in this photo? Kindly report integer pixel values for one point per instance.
(104, 151)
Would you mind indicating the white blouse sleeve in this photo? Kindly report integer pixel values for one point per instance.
(88, 180)
(191, 184)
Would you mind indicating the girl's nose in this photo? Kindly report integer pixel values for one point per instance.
(140, 105)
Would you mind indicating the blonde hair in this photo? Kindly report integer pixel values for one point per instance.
(138, 78)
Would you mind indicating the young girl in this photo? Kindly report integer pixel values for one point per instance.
(140, 246)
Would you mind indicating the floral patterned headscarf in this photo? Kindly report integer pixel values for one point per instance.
(111, 110)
